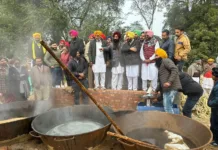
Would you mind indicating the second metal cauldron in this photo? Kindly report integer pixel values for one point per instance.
(140, 125)
(43, 123)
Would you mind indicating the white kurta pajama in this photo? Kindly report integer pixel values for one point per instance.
(117, 77)
(149, 71)
(99, 68)
(132, 73)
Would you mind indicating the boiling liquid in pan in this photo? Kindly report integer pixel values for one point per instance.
(155, 136)
(74, 127)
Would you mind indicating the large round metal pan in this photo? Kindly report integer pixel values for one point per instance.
(27, 110)
(47, 121)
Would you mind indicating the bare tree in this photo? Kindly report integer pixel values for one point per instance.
(147, 8)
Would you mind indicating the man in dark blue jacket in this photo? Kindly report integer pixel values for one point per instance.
(168, 44)
(79, 67)
(213, 103)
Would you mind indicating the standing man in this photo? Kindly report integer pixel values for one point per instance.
(130, 51)
(98, 59)
(168, 44)
(147, 54)
(86, 55)
(56, 70)
(213, 103)
(79, 67)
(116, 61)
(36, 50)
(169, 82)
(76, 44)
(108, 65)
(142, 38)
(182, 48)
(41, 80)
(195, 69)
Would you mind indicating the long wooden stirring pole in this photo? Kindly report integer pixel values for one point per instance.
(137, 142)
(81, 86)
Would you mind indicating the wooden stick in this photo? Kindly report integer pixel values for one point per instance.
(83, 88)
(133, 140)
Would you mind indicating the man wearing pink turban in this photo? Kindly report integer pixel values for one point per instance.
(147, 54)
(76, 44)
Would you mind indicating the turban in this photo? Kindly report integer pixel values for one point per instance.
(161, 53)
(117, 33)
(67, 44)
(103, 37)
(98, 32)
(138, 32)
(73, 33)
(210, 60)
(109, 37)
(130, 34)
(36, 35)
(215, 72)
(62, 41)
(91, 36)
(149, 33)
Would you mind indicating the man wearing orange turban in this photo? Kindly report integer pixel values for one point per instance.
(35, 49)
(130, 51)
(149, 71)
(169, 79)
(98, 58)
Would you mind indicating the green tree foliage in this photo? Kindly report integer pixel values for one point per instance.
(19, 19)
(200, 24)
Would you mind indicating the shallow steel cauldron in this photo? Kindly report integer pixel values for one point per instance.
(47, 121)
(27, 109)
(137, 125)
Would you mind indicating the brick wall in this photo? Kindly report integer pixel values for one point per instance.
(117, 100)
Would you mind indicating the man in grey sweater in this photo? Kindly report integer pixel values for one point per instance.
(168, 76)
(54, 66)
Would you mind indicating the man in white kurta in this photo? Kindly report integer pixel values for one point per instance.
(149, 71)
(99, 68)
(98, 60)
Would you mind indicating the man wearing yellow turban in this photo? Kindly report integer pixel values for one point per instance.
(168, 77)
(208, 82)
(130, 51)
(36, 50)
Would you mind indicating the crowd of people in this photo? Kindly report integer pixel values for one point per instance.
(134, 61)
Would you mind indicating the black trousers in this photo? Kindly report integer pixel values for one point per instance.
(214, 125)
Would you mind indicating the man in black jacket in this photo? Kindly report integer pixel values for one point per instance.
(98, 58)
(76, 44)
(193, 90)
(168, 45)
(79, 67)
(130, 51)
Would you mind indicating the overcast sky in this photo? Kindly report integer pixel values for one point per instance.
(128, 19)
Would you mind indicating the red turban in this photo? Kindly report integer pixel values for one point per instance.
(62, 41)
(91, 36)
(103, 37)
(118, 34)
(67, 44)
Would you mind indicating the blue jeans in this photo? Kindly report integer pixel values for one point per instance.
(189, 104)
(77, 91)
(56, 76)
(168, 98)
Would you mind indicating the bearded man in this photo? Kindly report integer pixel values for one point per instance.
(116, 61)
(36, 50)
(130, 51)
(147, 55)
(98, 59)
